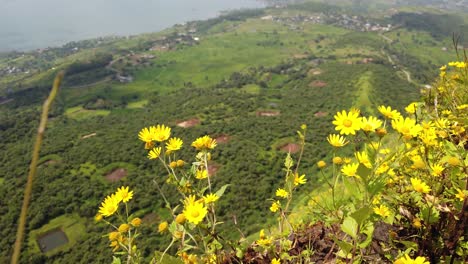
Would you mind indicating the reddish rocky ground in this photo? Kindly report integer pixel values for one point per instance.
(320, 114)
(318, 83)
(291, 148)
(268, 113)
(213, 168)
(221, 139)
(150, 218)
(189, 123)
(116, 175)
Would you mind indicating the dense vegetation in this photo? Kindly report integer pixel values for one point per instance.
(241, 67)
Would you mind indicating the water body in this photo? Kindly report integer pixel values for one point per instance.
(53, 239)
(31, 24)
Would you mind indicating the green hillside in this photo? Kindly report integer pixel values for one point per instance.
(252, 77)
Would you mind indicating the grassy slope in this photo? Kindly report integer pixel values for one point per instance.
(252, 43)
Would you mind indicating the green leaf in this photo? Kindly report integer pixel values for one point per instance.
(350, 226)
(345, 246)
(410, 245)
(361, 215)
(221, 190)
(352, 187)
(364, 172)
(288, 162)
(430, 215)
(116, 260)
(368, 230)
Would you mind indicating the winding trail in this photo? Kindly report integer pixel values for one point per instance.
(407, 73)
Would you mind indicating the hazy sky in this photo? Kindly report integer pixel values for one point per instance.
(27, 24)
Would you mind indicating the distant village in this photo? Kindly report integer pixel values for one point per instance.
(356, 23)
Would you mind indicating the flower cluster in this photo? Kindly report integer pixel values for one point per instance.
(122, 236)
(413, 177)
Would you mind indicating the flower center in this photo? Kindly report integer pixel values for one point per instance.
(195, 214)
(347, 123)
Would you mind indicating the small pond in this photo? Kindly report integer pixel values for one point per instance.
(52, 239)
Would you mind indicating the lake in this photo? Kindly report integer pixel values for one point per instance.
(31, 24)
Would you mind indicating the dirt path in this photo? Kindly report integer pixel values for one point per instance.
(108, 78)
(390, 41)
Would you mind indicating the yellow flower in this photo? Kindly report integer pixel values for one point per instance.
(388, 112)
(154, 153)
(453, 161)
(411, 108)
(162, 227)
(437, 169)
(123, 194)
(113, 236)
(124, 228)
(460, 195)
(109, 206)
(210, 198)
(370, 124)
(262, 234)
(299, 179)
(429, 137)
(347, 123)
(417, 222)
(350, 170)
(337, 140)
(275, 206)
(201, 174)
(173, 144)
(180, 163)
(382, 168)
(337, 160)
(264, 242)
(442, 123)
(147, 135)
(173, 164)
(136, 222)
(382, 211)
(282, 193)
(346, 160)
(462, 107)
(418, 162)
(363, 158)
(275, 261)
(161, 133)
(407, 127)
(194, 211)
(376, 199)
(458, 64)
(381, 132)
(321, 164)
(204, 143)
(420, 186)
(407, 260)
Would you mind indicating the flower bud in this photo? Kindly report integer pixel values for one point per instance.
(321, 164)
(162, 227)
(124, 228)
(180, 163)
(136, 222)
(180, 219)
